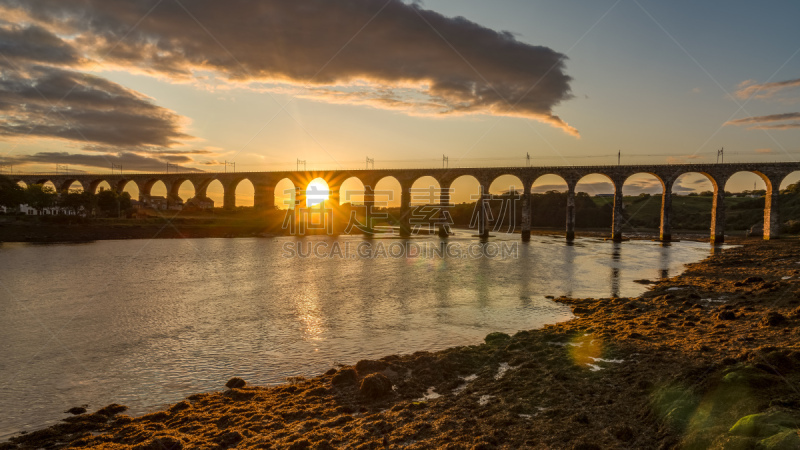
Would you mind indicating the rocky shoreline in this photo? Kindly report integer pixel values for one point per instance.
(707, 359)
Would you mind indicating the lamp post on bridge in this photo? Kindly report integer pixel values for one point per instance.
(303, 162)
(370, 161)
(116, 167)
(62, 168)
(232, 163)
(445, 162)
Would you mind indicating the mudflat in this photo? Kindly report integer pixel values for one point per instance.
(707, 359)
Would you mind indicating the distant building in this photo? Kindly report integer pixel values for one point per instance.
(51, 211)
(200, 203)
(604, 195)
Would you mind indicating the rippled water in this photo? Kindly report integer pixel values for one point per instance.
(145, 323)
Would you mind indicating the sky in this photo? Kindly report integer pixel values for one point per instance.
(195, 83)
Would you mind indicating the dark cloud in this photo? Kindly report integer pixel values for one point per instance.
(398, 55)
(128, 161)
(46, 101)
(764, 122)
(34, 43)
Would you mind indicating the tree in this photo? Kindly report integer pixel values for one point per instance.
(39, 196)
(77, 201)
(111, 203)
(11, 194)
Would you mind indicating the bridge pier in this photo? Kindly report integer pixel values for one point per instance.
(617, 219)
(229, 198)
(665, 231)
(405, 211)
(772, 224)
(264, 197)
(444, 214)
(718, 213)
(526, 212)
(483, 230)
(571, 211)
(369, 203)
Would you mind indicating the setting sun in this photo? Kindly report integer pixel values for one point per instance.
(317, 192)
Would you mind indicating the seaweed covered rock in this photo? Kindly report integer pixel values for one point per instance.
(366, 366)
(496, 338)
(375, 386)
(344, 377)
(235, 383)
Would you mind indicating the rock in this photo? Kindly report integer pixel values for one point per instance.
(235, 383)
(160, 443)
(112, 410)
(756, 230)
(751, 280)
(787, 439)
(644, 281)
(763, 425)
(726, 315)
(75, 410)
(375, 386)
(344, 377)
(230, 438)
(773, 319)
(330, 372)
(496, 338)
(796, 313)
(622, 432)
(366, 366)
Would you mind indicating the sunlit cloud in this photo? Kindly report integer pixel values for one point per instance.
(454, 66)
(752, 89)
(764, 122)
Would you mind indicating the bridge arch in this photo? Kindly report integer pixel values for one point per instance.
(352, 191)
(239, 192)
(182, 190)
(388, 192)
(745, 189)
(214, 190)
(130, 187)
(425, 190)
(316, 191)
(645, 201)
(694, 184)
(502, 184)
(70, 185)
(284, 193)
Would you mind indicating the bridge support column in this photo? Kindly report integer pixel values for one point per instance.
(571, 211)
(483, 230)
(334, 196)
(526, 213)
(405, 211)
(772, 223)
(264, 197)
(718, 214)
(229, 198)
(617, 219)
(444, 213)
(369, 203)
(665, 232)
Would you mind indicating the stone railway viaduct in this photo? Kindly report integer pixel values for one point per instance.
(265, 182)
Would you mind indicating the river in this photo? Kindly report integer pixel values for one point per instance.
(147, 322)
